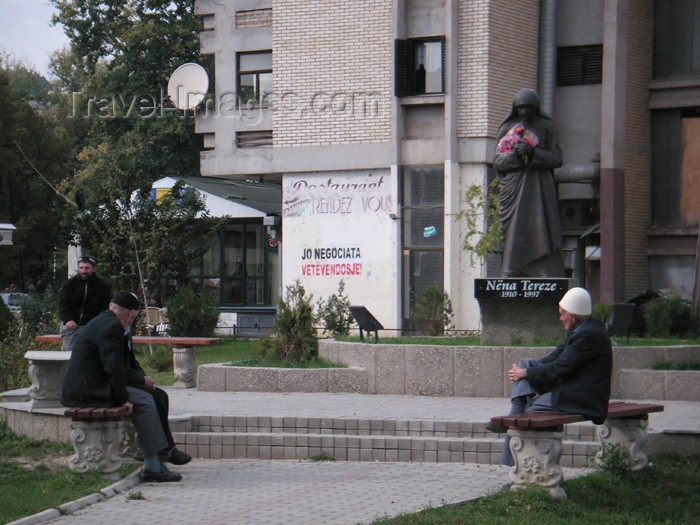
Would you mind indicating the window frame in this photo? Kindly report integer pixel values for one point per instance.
(256, 73)
(406, 82)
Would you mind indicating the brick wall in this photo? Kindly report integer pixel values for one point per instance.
(638, 147)
(498, 50)
(333, 70)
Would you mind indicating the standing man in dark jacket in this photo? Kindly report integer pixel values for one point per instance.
(82, 298)
(99, 374)
(575, 378)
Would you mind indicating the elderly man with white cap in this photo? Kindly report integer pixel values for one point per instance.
(574, 378)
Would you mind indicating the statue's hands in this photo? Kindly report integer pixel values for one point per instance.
(524, 150)
(524, 153)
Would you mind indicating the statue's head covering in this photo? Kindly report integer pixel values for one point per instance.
(525, 97)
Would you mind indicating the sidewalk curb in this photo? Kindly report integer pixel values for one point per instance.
(112, 490)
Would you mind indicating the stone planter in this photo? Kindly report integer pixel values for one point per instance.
(219, 377)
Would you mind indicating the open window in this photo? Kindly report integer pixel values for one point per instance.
(420, 66)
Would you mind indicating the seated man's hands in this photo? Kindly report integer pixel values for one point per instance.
(149, 382)
(516, 373)
(129, 407)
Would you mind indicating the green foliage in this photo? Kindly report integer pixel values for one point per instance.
(294, 335)
(482, 221)
(335, 313)
(670, 365)
(161, 360)
(323, 456)
(39, 313)
(7, 320)
(191, 314)
(613, 460)
(13, 365)
(602, 310)
(670, 316)
(433, 311)
(30, 143)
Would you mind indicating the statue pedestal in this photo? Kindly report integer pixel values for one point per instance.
(521, 310)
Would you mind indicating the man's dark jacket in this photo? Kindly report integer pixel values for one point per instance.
(578, 372)
(97, 371)
(81, 301)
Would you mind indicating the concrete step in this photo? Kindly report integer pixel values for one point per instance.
(248, 437)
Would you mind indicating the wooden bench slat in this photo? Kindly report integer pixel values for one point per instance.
(543, 420)
(95, 413)
(633, 409)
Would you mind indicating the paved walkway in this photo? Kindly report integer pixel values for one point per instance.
(227, 492)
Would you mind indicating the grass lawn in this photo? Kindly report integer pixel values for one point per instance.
(665, 493)
(34, 476)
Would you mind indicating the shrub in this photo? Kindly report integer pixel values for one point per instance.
(161, 359)
(335, 313)
(433, 311)
(294, 335)
(602, 310)
(13, 366)
(191, 314)
(39, 313)
(670, 316)
(7, 320)
(612, 460)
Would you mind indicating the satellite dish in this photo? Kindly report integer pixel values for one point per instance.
(188, 85)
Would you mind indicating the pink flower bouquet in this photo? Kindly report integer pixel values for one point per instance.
(515, 136)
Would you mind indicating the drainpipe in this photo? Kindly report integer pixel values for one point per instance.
(548, 55)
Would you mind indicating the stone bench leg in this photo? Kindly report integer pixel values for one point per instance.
(630, 435)
(536, 455)
(129, 444)
(184, 366)
(96, 445)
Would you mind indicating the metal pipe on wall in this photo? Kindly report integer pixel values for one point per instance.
(547, 78)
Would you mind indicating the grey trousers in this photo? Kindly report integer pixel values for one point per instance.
(524, 400)
(69, 336)
(149, 431)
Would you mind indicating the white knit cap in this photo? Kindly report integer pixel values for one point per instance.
(576, 301)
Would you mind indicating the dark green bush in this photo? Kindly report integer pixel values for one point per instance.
(670, 317)
(13, 365)
(161, 359)
(191, 314)
(39, 313)
(294, 335)
(335, 313)
(602, 310)
(7, 320)
(433, 311)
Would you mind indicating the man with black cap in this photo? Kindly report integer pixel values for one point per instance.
(82, 298)
(103, 371)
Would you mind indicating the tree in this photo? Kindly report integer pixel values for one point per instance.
(33, 159)
(115, 76)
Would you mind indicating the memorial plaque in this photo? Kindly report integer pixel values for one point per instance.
(521, 309)
(520, 288)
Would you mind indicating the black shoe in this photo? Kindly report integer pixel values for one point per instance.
(498, 429)
(163, 475)
(178, 457)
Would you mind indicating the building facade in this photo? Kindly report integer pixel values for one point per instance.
(377, 117)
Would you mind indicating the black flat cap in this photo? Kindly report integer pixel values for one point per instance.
(126, 300)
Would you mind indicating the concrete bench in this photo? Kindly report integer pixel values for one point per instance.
(536, 441)
(97, 434)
